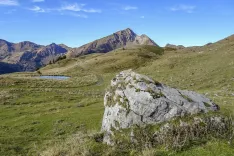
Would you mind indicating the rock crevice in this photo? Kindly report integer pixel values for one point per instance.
(135, 99)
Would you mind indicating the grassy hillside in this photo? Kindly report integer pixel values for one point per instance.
(36, 114)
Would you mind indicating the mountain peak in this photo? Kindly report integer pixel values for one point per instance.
(52, 44)
(126, 32)
(117, 40)
(3, 42)
(129, 30)
(25, 45)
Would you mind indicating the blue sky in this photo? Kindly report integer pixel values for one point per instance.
(76, 22)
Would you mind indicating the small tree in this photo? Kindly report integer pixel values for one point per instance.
(39, 72)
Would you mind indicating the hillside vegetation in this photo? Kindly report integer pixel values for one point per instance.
(52, 117)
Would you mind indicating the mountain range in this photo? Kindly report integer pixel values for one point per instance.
(117, 40)
(28, 56)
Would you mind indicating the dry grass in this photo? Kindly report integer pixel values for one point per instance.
(36, 111)
(73, 146)
(172, 138)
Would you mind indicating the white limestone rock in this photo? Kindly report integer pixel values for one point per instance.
(135, 99)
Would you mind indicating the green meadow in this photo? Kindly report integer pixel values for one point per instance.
(40, 116)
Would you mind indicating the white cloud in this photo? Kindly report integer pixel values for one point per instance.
(35, 1)
(37, 9)
(72, 7)
(185, 8)
(69, 9)
(78, 15)
(92, 10)
(142, 17)
(130, 8)
(79, 7)
(9, 2)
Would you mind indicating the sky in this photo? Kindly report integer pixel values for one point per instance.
(77, 22)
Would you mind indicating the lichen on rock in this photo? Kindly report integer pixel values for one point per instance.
(135, 99)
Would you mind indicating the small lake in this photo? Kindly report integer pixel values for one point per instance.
(54, 77)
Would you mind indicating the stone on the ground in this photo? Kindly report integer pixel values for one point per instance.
(135, 99)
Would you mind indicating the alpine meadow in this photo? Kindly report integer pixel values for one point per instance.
(119, 94)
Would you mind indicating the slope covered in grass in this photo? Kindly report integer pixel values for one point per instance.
(36, 113)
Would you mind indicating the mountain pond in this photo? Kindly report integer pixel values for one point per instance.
(55, 77)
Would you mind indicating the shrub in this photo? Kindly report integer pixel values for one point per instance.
(39, 72)
(187, 98)
(154, 49)
(137, 90)
(60, 58)
(173, 136)
(176, 135)
(154, 94)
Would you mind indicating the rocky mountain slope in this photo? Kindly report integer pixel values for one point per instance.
(119, 39)
(9, 68)
(27, 56)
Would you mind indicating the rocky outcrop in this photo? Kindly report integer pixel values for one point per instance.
(135, 99)
(117, 40)
(175, 47)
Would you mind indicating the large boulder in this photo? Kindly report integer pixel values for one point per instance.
(134, 99)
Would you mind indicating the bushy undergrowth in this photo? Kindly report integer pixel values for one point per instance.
(172, 137)
(81, 144)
